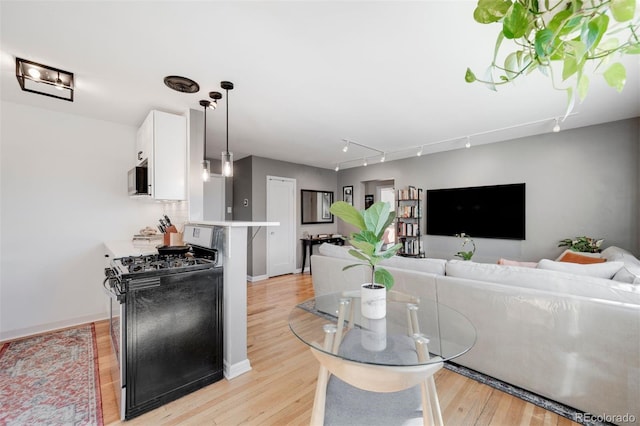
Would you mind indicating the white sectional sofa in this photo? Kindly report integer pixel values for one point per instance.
(572, 337)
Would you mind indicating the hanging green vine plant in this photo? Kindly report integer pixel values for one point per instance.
(570, 33)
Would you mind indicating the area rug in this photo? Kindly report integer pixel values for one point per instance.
(549, 405)
(51, 379)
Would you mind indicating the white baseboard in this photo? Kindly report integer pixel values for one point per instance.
(232, 371)
(252, 279)
(45, 328)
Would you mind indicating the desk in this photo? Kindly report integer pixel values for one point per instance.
(308, 243)
(398, 352)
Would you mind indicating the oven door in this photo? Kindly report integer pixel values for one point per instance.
(117, 330)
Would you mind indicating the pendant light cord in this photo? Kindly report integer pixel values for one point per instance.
(227, 90)
(205, 133)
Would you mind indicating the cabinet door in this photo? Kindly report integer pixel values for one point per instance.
(144, 140)
(169, 165)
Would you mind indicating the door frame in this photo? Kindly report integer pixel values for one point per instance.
(292, 225)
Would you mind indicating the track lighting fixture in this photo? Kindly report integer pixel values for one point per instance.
(384, 157)
(468, 143)
(364, 163)
(337, 167)
(346, 146)
(556, 128)
(419, 153)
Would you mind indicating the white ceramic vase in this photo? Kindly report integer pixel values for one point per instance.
(374, 334)
(373, 299)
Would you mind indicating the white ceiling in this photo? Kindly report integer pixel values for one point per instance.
(386, 74)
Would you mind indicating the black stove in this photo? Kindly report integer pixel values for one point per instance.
(166, 321)
(159, 264)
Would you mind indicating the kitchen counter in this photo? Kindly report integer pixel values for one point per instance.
(233, 223)
(236, 361)
(123, 248)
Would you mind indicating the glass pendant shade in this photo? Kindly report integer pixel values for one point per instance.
(206, 170)
(227, 163)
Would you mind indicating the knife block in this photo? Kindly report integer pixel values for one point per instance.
(167, 235)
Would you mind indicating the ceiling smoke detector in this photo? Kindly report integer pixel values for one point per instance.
(181, 84)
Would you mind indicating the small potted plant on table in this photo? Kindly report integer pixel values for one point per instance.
(368, 244)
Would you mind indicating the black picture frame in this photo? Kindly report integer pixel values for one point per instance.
(347, 194)
(368, 201)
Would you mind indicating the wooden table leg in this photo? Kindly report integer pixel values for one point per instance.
(319, 401)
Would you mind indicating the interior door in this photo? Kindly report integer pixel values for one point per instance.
(281, 240)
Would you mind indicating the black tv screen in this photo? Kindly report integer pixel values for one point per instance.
(496, 211)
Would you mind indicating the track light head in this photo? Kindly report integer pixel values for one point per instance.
(556, 128)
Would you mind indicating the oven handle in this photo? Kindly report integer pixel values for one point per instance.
(113, 291)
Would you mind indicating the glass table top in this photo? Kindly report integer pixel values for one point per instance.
(389, 341)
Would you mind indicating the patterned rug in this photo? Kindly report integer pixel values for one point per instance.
(51, 379)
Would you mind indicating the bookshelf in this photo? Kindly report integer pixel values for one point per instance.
(408, 219)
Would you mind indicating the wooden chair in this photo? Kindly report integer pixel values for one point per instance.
(377, 378)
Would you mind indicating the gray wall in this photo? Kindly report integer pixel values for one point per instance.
(255, 192)
(579, 182)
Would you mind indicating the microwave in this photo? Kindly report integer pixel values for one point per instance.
(138, 181)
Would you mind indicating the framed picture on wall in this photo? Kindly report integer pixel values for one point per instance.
(347, 194)
(368, 201)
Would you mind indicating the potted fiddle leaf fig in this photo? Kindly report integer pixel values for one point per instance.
(569, 33)
(368, 247)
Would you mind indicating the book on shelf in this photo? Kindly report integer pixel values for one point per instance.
(411, 193)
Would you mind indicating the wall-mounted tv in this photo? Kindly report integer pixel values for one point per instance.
(496, 211)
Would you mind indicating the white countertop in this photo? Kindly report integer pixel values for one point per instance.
(232, 223)
(124, 248)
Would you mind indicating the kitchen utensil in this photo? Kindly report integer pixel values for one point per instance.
(173, 249)
(166, 218)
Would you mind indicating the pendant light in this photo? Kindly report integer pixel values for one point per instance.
(206, 164)
(227, 156)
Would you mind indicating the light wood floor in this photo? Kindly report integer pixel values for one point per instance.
(280, 387)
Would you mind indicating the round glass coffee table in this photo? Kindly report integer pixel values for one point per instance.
(391, 354)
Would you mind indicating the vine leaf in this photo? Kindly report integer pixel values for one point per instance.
(616, 76)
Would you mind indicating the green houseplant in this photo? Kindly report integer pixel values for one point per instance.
(582, 244)
(466, 255)
(369, 241)
(568, 33)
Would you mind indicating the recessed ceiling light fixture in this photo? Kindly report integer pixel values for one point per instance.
(337, 167)
(44, 80)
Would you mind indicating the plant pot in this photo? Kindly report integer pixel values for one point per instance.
(373, 301)
(374, 334)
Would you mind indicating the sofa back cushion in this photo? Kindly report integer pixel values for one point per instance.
(604, 270)
(630, 272)
(432, 266)
(541, 279)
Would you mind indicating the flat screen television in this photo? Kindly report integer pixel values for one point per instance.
(496, 211)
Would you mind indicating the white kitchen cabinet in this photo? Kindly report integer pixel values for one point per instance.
(161, 145)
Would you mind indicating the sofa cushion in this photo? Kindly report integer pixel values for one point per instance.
(544, 279)
(333, 250)
(432, 266)
(630, 272)
(604, 270)
(508, 262)
(582, 258)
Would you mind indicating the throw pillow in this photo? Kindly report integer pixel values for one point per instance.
(508, 262)
(599, 270)
(575, 257)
